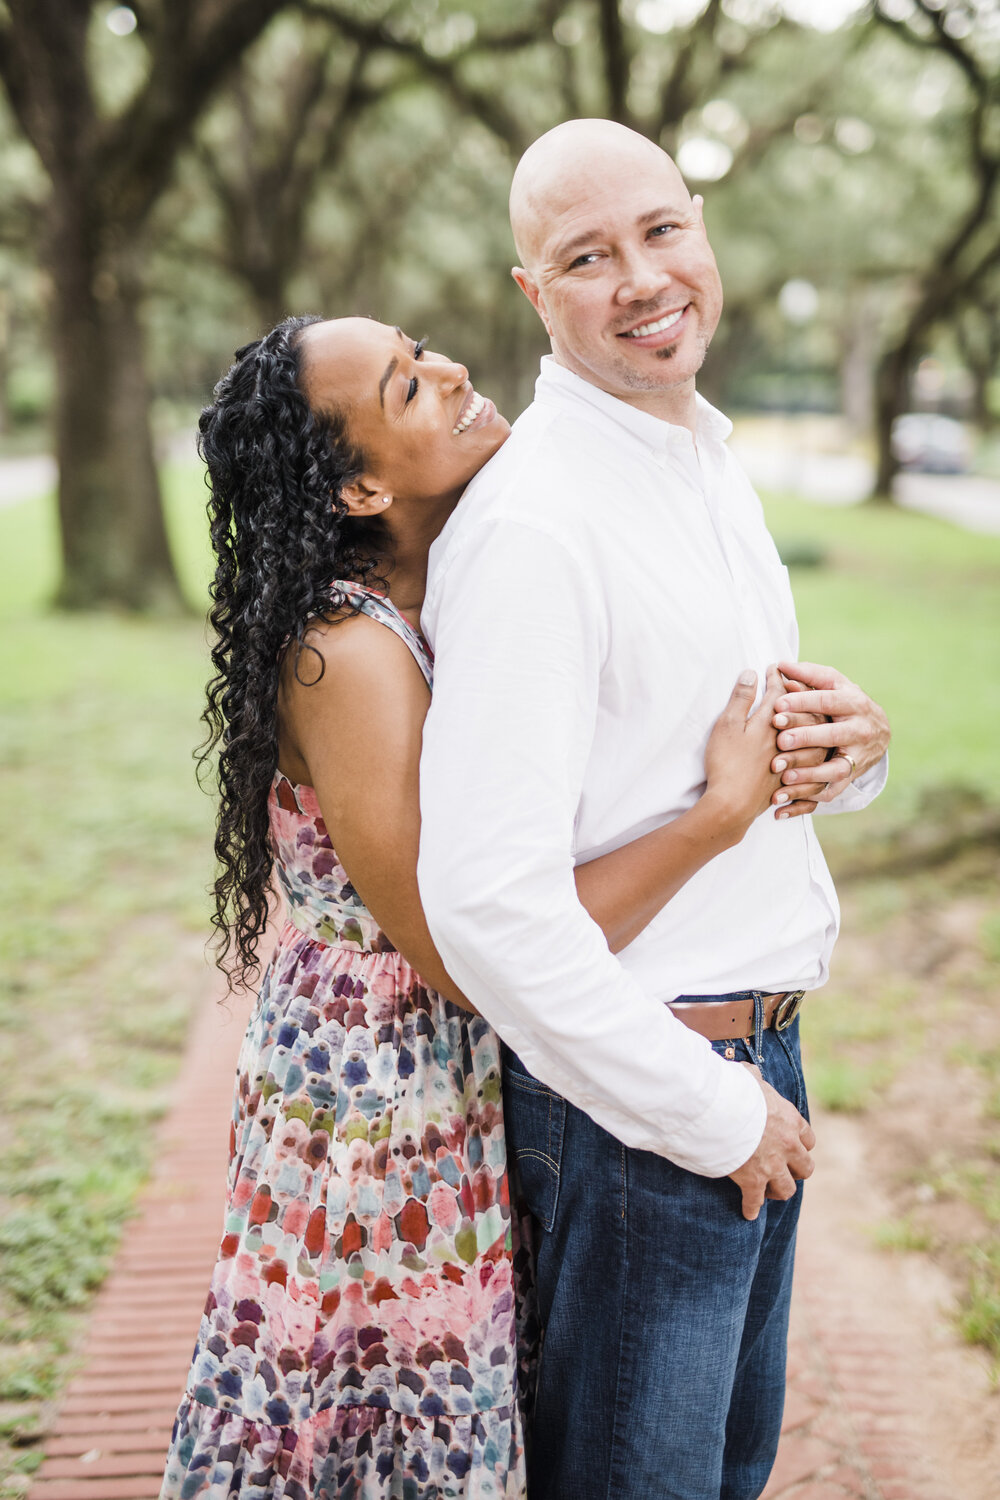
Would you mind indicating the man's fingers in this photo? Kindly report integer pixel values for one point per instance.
(781, 1186)
(753, 1201)
(813, 674)
(798, 721)
(807, 1135)
(835, 703)
(843, 735)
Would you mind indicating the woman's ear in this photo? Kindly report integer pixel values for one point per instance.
(364, 497)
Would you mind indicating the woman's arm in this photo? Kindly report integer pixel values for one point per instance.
(356, 733)
(354, 736)
(624, 890)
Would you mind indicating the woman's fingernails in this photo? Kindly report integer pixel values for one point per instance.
(779, 765)
(781, 720)
(781, 815)
(792, 776)
(781, 797)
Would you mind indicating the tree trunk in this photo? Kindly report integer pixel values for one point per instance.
(857, 359)
(114, 541)
(891, 395)
(5, 334)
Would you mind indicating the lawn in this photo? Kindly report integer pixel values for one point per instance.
(910, 607)
(103, 909)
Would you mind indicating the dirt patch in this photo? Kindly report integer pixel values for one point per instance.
(907, 1187)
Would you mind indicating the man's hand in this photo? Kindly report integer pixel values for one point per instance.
(782, 1156)
(852, 724)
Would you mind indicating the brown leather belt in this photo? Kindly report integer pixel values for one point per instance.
(733, 1020)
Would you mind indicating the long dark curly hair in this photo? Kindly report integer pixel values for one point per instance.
(281, 535)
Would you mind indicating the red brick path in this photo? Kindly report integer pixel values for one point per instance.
(846, 1434)
(110, 1438)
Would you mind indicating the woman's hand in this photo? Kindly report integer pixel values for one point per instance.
(740, 781)
(800, 792)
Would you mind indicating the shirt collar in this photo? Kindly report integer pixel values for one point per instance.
(558, 384)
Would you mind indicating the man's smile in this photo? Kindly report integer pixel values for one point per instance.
(651, 332)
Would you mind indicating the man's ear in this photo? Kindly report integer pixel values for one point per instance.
(364, 497)
(530, 289)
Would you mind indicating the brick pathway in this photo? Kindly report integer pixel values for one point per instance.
(848, 1431)
(110, 1437)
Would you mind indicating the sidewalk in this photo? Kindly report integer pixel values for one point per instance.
(851, 1428)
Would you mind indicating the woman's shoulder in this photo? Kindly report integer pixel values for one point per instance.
(349, 637)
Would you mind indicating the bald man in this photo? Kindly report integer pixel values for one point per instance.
(603, 582)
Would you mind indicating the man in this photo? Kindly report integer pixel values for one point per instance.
(603, 582)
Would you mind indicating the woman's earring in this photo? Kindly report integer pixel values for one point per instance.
(386, 499)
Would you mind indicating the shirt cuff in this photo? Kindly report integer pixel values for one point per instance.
(728, 1132)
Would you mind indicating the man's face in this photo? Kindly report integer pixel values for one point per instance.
(625, 281)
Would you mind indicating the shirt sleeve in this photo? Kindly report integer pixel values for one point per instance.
(519, 635)
(860, 792)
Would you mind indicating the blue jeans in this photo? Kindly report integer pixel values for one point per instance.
(664, 1312)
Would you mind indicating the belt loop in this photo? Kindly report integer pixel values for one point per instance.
(758, 1029)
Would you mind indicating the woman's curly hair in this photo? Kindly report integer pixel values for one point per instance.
(281, 535)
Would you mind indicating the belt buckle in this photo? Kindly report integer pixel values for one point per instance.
(789, 1008)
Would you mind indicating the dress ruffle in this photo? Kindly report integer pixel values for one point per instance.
(345, 1453)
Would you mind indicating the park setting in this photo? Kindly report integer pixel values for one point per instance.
(176, 176)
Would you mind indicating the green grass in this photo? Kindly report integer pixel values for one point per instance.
(901, 1235)
(979, 1317)
(856, 1043)
(909, 607)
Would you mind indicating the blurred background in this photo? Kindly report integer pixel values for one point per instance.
(175, 176)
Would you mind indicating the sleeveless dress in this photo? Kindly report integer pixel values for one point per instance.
(358, 1342)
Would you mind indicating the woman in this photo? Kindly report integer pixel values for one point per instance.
(358, 1338)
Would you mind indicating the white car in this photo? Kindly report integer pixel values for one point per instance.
(931, 443)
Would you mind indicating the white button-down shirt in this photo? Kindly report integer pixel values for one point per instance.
(591, 603)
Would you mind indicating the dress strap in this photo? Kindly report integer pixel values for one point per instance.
(375, 604)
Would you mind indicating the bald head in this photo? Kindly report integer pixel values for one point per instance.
(561, 168)
(616, 262)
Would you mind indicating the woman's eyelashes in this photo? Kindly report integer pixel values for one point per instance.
(418, 349)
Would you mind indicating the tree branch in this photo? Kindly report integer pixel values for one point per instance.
(485, 104)
(617, 63)
(677, 95)
(189, 58)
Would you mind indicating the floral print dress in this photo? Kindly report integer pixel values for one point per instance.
(358, 1340)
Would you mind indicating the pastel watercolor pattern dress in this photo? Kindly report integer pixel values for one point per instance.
(358, 1342)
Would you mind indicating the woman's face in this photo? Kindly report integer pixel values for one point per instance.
(414, 414)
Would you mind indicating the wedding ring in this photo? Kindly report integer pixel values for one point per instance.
(850, 761)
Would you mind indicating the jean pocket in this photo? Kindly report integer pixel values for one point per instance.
(535, 1123)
